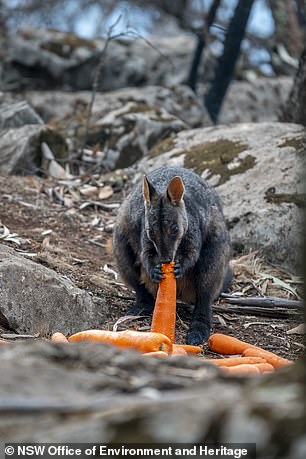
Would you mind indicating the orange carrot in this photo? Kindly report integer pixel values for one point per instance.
(242, 369)
(233, 361)
(59, 338)
(188, 348)
(178, 350)
(141, 341)
(228, 345)
(274, 360)
(264, 367)
(160, 354)
(164, 314)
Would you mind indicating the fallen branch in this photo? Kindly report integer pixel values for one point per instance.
(277, 313)
(270, 301)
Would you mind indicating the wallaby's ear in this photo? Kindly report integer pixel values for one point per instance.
(175, 190)
(148, 191)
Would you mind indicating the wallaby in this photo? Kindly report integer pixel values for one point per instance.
(174, 215)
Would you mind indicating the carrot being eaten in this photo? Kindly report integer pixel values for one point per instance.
(164, 315)
(141, 341)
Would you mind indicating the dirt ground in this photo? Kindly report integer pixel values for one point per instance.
(54, 224)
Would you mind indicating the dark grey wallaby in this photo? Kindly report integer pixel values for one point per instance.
(176, 215)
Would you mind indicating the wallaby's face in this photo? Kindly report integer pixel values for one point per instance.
(165, 217)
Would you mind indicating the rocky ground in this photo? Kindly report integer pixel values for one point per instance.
(95, 393)
(77, 243)
(79, 153)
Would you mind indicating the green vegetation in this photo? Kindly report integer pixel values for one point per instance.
(215, 156)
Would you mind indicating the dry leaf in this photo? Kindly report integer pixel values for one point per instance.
(6, 235)
(68, 202)
(56, 170)
(124, 319)
(46, 232)
(88, 190)
(27, 254)
(47, 152)
(106, 192)
(299, 330)
(221, 320)
(281, 283)
(95, 221)
(243, 259)
(110, 271)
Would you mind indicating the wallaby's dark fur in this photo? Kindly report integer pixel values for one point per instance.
(174, 214)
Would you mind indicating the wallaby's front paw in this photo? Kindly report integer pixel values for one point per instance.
(178, 269)
(156, 274)
(197, 335)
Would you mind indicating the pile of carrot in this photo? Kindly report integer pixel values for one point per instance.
(250, 356)
(160, 341)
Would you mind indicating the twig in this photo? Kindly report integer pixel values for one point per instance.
(277, 313)
(95, 85)
(271, 301)
(16, 336)
(101, 205)
(125, 319)
(110, 37)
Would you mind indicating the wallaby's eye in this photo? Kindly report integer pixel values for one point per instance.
(174, 229)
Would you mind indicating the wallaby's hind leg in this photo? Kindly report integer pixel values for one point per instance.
(130, 273)
(211, 272)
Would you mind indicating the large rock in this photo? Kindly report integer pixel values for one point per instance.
(21, 134)
(35, 299)
(20, 148)
(178, 100)
(256, 169)
(255, 101)
(54, 58)
(18, 114)
(93, 393)
(126, 123)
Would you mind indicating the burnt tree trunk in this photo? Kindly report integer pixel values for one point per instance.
(295, 108)
(301, 12)
(288, 31)
(200, 46)
(226, 64)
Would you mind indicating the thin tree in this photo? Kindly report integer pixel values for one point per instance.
(226, 64)
(202, 36)
(288, 30)
(295, 108)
